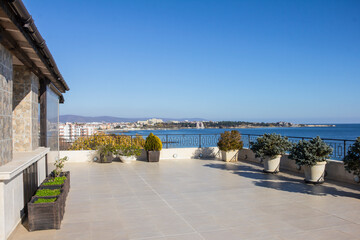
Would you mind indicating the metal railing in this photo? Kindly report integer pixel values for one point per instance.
(339, 146)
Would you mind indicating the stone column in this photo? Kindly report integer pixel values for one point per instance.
(25, 120)
(6, 88)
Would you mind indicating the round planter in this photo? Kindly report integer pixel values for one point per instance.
(126, 159)
(316, 173)
(229, 156)
(272, 165)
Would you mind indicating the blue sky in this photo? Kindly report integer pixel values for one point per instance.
(251, 60)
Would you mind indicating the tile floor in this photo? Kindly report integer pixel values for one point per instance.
(200, 199)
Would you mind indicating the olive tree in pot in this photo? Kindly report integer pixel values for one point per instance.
(229, 144)
(153, 146)
(312, 155)
(352, 160)
(270, 148)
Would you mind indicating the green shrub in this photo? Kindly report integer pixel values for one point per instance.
(105, 150)
(270, 145)
(55, 181)
(153, 143)
(352, 159)
(129, 151)
(230, 141)
(45, 200)
(47, 192)
(310, 152)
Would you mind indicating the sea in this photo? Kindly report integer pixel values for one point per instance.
(339, 131)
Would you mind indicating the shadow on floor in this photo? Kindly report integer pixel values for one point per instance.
(284, 183)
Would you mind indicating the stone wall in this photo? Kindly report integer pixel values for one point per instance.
(25, 110)
(6, 88)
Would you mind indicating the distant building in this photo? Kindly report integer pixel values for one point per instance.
(151, 121)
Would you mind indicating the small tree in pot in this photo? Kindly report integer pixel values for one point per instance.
(229, 144)
(270, 147)
(106, 152)
(352, 160)
(129, 153)
(312, 155)
(153, 146)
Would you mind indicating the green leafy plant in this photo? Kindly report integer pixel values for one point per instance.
(153, 143)
(352, 159)
(270, 145)
(105, 150)
(45, 200)
(59, 165)
(129, 151)
(47, 192)
(55, 181)
(310, 152)
(230, 141)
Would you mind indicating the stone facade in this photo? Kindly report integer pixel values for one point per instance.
(25, 121)
(6, 88)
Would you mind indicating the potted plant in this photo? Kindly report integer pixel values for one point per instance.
(106, 152)
(229, 144)
(269, 148)
(153, 147)
(352, 160)
(128, 154)
(312, 155)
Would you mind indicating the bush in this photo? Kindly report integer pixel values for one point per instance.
(153, 143)
(98, 139)
(45, 200)
(230, 141)
(270, 145)
(47, 192)
(352, 159)
(310, 152)
(129, 151)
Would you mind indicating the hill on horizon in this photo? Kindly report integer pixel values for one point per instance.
(109, 119)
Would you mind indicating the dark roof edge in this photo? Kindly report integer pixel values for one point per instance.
(29, 25)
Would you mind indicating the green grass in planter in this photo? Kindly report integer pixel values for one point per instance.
(47, 192)
(45, 200)
(55, 181)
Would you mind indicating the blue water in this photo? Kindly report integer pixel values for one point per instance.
(340, 131)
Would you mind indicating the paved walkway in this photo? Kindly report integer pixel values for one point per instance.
(200, 199)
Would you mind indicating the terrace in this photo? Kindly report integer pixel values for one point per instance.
(200, 199)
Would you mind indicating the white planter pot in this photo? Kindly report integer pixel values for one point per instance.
(315, 174)
(229, 156)
(126, 159)
(272, 165)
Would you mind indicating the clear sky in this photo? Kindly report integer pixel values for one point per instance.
(251, 60)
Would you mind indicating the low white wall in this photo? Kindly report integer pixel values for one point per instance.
(166, 154)
(12, 189)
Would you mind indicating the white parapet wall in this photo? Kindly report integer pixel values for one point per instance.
(12, 187)
(334, 169)
(166, 154)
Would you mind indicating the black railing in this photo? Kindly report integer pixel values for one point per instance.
(339, 146)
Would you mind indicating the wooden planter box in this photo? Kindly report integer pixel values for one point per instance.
(153, 156)
(65, 186)
(61, 197)
(44, 216)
